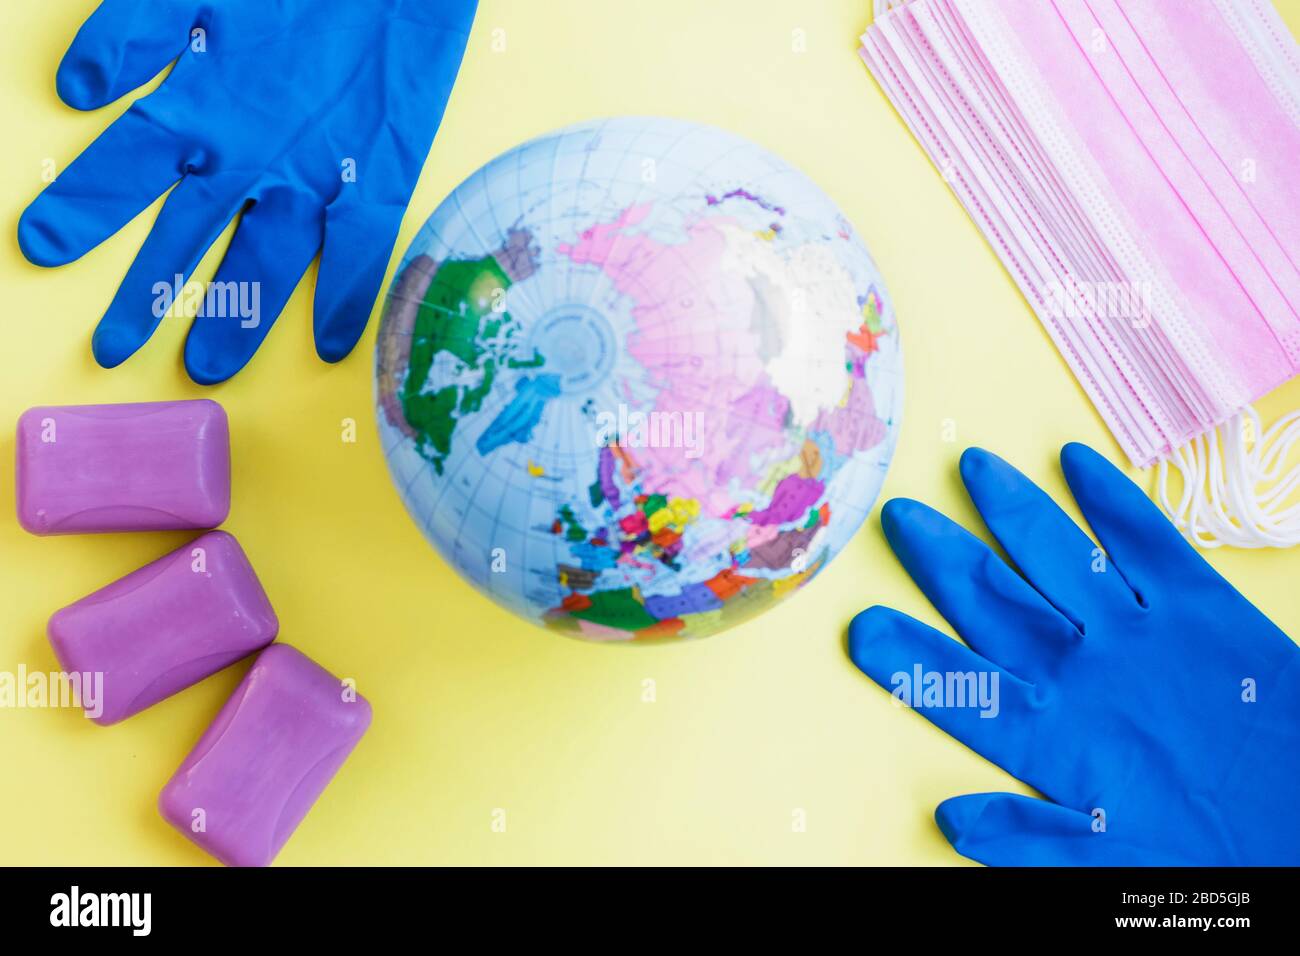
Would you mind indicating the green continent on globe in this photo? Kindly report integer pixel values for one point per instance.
(456, 307)
(463, 294)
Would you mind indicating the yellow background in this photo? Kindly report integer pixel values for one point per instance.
(474, 710)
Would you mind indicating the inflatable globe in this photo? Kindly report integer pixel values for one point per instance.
(638, 378)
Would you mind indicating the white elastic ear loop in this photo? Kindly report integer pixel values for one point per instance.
(881, 7)
(1222, 501)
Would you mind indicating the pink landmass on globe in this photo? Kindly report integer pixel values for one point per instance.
(683, 295)
(854, 426)
(793, 496)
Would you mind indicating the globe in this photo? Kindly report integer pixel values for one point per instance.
(638, 378)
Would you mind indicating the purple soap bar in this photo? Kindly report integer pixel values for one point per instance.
(166, 626)
(152, 466)
(270, 753)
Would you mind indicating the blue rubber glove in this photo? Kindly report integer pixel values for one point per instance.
(1153, 705)
(313, 117)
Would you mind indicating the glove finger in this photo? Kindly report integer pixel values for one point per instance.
(990, 710)
(363, 220)
(131, 164)
(988, 604)
(1144, 544)
(190, 221)
(359, 240)
(121, 46)
(1062, 562)
(276, 240)
(1008, 829)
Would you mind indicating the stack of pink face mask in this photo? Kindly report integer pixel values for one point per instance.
(1136, 166)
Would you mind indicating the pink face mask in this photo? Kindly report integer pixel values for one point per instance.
(1133, 164)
